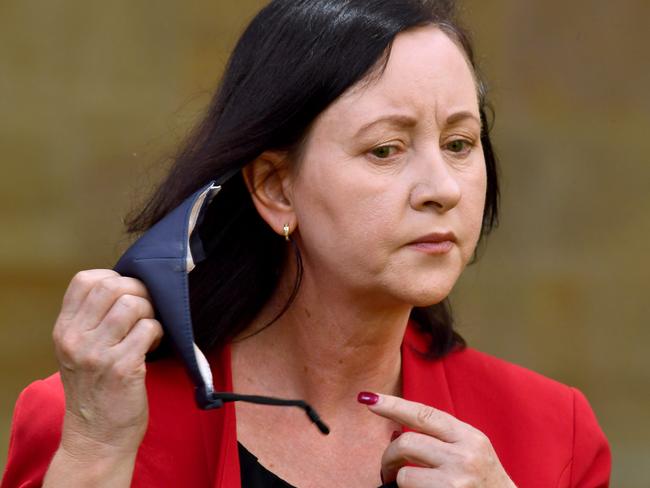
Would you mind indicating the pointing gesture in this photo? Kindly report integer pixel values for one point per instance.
(439, 451)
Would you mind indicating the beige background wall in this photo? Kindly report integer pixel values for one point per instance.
(94, 95)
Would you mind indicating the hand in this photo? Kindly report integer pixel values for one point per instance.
(447, 451)
(105, 328)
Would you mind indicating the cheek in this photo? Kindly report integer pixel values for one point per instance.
(472, 208)
(348, 219)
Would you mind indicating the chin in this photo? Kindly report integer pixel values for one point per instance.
(429, 288)
(428, 299)
(427, 283)
(425, 296)
(419, 286)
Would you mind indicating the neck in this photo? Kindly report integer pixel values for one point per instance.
(329, 345)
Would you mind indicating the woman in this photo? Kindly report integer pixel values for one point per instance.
(364, 180)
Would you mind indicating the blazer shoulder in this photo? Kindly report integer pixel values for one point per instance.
(40, 407)
(35, 432)
(491, 390)
(173, 419)
(527, 415)
(486, 372)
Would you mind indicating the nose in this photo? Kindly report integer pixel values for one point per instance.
(436, 184)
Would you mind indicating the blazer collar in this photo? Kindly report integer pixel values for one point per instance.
(423, 380)
(219, 428)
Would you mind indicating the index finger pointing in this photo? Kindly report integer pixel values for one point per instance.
(418, 417)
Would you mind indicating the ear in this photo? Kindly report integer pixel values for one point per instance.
(268, 180)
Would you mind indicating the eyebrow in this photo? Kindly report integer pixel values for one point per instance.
(462, 115)
(398, 120)
(401, 120)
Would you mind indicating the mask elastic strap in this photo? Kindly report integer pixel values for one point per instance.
(207, 395)
(281, 402)
(216, 399)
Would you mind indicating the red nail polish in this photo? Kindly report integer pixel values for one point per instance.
(395, 435)
(367, 398)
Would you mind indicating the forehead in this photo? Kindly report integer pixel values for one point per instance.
(427, 74)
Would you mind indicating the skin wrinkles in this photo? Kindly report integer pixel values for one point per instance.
(352, 215)
(390, 92)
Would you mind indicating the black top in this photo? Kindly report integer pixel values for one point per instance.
(254, 475)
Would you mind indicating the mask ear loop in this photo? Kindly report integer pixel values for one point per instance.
(216, 399)
(281, 402)
(207, 396)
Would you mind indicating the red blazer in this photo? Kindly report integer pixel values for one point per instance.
(544, 433)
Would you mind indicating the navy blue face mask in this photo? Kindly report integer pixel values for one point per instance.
(162, 258)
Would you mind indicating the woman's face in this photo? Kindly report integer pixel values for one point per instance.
(388, 163)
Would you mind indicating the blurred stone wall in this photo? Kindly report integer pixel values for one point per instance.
(95, 96)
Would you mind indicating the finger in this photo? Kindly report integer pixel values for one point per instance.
(104, 294)
(80, 286)
(413, 448)
(414, 477)
(419, 417)
(144, 337)
(120, 319)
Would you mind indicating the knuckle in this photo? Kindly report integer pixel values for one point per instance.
(66, 344)
(481, 441)
(473, 464)
(133, 305)
(404, 477)
(425, 416)
(406, 441)
(148, 326)
(57, 334)
(121, 372)
(472, 461)
(89, 277)
(93, 360)
(135, 284)
(108, 287)
(147, 309)
(138, 283)
(158, 328)
(154, 336)
(83, 278)
(128, 303)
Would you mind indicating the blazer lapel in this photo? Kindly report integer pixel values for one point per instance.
(219, 427)
(423, 380)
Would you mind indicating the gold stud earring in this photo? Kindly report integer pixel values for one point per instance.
(286, 231)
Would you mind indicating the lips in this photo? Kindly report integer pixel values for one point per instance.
(434, 244)
(435, 237)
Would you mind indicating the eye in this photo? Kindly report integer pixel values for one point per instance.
(384, 152)
(459, 146)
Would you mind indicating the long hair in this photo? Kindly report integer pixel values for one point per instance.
(294, 59)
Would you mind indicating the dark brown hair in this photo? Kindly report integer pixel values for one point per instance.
(294, 59)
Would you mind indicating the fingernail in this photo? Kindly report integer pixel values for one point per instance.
(395, 435)
(367, 398)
